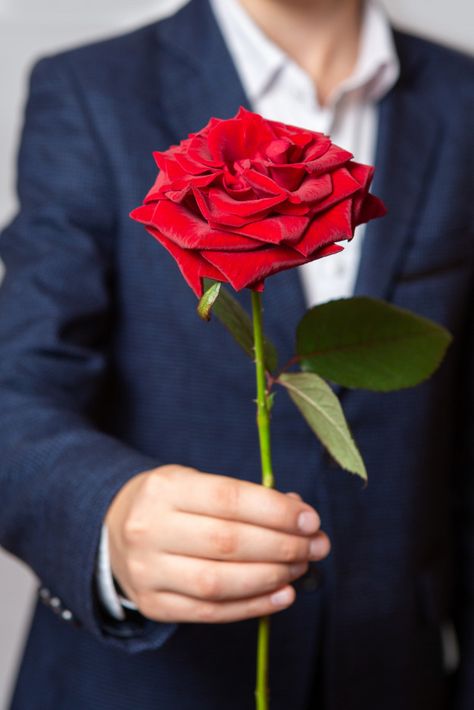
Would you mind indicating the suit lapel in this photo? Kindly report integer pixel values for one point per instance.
(407, 137)
(196, 76)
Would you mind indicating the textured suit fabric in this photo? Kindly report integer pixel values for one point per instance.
(105, 371)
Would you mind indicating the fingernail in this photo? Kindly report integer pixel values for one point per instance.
(308, 521)
(297, 569)
(282, 598)
(317, 548)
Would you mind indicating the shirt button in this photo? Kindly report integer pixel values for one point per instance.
(66, 615)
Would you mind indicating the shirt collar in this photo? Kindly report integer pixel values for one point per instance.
(259, 60)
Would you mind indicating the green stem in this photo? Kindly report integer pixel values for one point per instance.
(263, 424)
(263, 414)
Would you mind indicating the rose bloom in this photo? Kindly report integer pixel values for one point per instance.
(245, 198)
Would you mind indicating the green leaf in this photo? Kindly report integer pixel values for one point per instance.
(237, 321)
(367, 343)
(207, 300)
(322, 410)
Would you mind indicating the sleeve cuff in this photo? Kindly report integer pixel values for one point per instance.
(108, 594)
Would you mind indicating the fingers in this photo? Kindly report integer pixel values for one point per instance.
(233, 499)
(220, 581)
(171, 607)
(215, 539)
(191, 546)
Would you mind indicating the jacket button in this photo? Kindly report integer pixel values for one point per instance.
(66, 615)
(44, 595)
(312, 580)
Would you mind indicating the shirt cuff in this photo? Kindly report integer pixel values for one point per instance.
(111, 600)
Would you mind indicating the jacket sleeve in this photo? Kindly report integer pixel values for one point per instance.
(58, 470)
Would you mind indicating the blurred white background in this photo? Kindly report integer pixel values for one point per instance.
(31, 28)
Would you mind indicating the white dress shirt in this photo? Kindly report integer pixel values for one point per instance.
(280, 90)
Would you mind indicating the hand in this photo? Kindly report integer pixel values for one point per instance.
(187, 546)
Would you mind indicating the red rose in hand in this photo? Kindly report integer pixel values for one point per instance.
(245, 198)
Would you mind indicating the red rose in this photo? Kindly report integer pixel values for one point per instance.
(245, 198)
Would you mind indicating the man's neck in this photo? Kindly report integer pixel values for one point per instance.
(322, 36)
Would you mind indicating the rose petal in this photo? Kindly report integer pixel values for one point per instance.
(178, 189)
(193, 167)
(263, 183)
(275, 230)
(361, 172)
(333, 158)
(188, 231)
(191, 264)
(198, 151)
(288, 177)
(218, 217)
(313, 189)
(365, 206)
(344, 185)
(144, 213)
(297, 135)
(220, 202)
(277, 150)
(286, 208)
(245, 198)
(370, 208)
(240, 274)
(240, 270)
(333, 225)
(317, 147)
(236, 139)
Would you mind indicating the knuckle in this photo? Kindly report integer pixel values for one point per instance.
(224, 540)
(226, 495)
(155, 481)
(166, 474)
(279, 513)
(295, 495)
(161, 610)
(273, 579)
(208, 583)
(206, 612)
(137, 573)
(258, 607)
(154, 607)
(289, 550)
(146, 604)
(161, 483)
(133, 531)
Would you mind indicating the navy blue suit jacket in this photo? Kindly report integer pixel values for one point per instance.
(104, 372)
